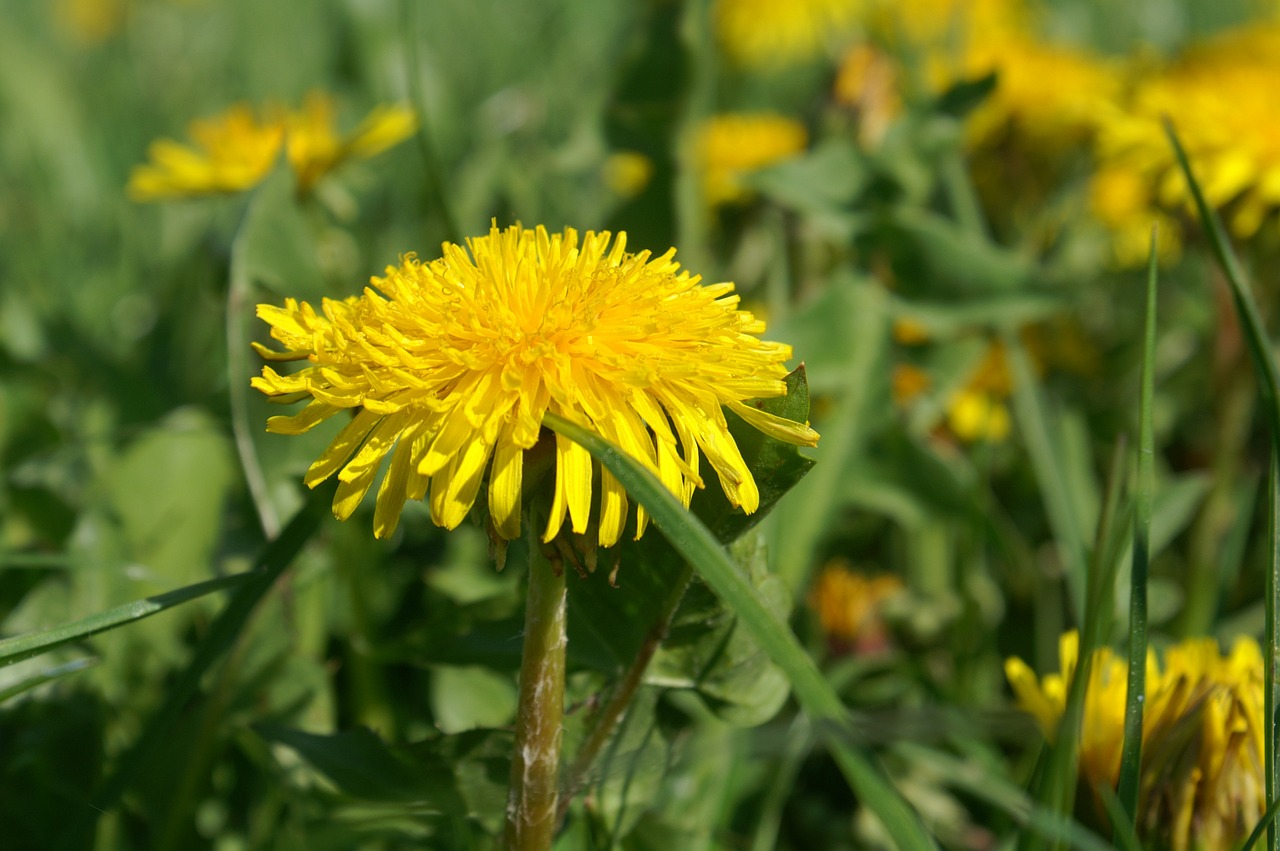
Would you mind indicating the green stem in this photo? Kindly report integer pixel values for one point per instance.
(607, 720)
(535, 765)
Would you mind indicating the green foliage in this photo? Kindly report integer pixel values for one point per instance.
(193, 654)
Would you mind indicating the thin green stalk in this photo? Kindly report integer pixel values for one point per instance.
(1131, 751)
(535, 764)
(607, 719)
(436, 189)
(812, 691)
(1269, 389)
(238, 291)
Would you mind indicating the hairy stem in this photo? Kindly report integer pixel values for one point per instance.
(535, 765)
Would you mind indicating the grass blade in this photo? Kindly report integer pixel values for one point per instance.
(34, 643)
(1131, 751)
(1269, 389)
(47, 675)
(268, 567)
(1269, 682)
(814, 694)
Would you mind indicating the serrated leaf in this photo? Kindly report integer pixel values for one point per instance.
(708, 652)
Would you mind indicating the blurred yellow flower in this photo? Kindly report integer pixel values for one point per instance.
(974, 416)
(977, 411)
(1050, 94)
(1202, 780)
(1222, 98)
(849, 604)
(451, 364)
(1121, 200)
(627, 173)
(90, 21)
(766, 33)
(236, 150)
(731, 146)
(908, 382)
(233, 152)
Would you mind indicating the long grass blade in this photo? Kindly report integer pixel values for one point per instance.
(1269, 725)
(268, 567)
(1131, 751)
(34, 643)
(1269, 389)
(814, 694)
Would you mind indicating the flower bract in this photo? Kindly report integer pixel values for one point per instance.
(447, 367)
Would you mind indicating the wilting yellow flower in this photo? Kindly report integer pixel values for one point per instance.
(868, 83)
(908, 382)
(236, 150)
(627, 173)
(233, 152)
(732, 146)
(769, 33)
(849, 604)
(449, 366)
(1222, 99)
(1202, 778)
(314, 147)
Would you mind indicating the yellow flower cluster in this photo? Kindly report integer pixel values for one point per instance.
(1202, 778)
(448, 367)
(1221, 98)
(236, 150)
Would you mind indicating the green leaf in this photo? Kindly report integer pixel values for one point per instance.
(466, 697)
(932, 250)
(33, 644)
(776, 466)
(966, 96)
(45, 676)
(714, 565)
(363, 766)
(170, 525)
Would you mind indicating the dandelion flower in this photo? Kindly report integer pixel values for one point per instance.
(235, 151)
(1221, 98)
(765, 33)
(448, 367)
(977, 411)
(732, 146)
(1202, 784)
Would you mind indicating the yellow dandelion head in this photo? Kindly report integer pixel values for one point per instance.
(1202, 784)
(236, 150)
(731, 146)
(848, 605)
(232, 152)
(765, 33)
(448, 367)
